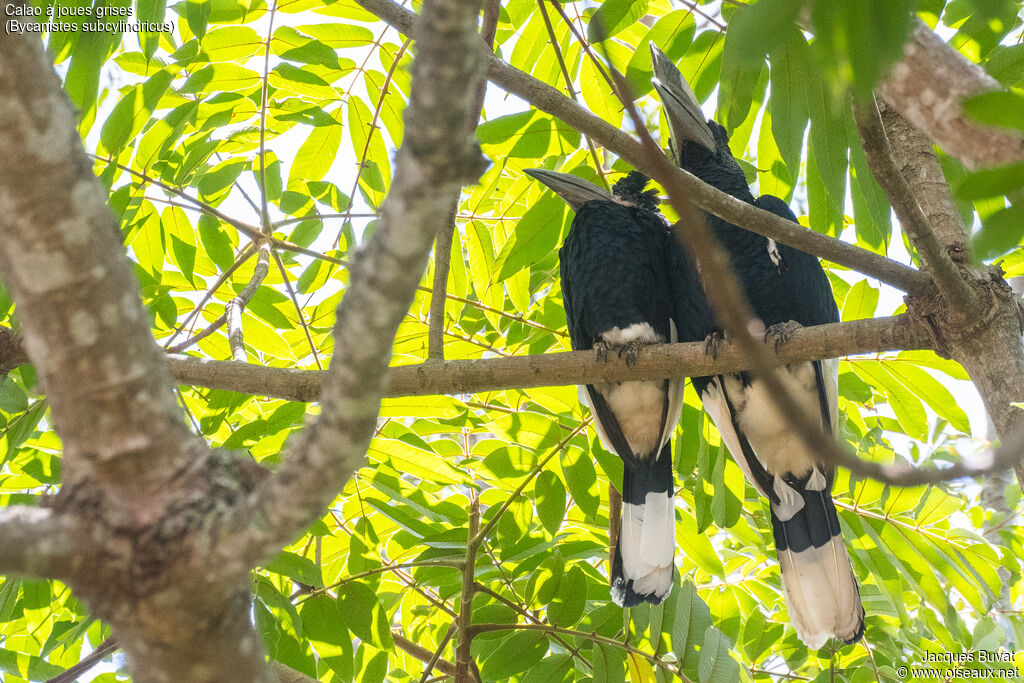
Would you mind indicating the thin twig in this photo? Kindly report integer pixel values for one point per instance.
(242, 257)
(264, 97)
(463, 657)
(298, 308)
(423, 654)
(102, 651)
(436, 657)
(525, 613)
(233, 311)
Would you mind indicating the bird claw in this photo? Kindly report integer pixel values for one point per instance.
(779, 333)
(630, 350)
(713, 340)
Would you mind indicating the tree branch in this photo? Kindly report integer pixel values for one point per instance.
(36, 542)
(62, 259)
(928, 86)
(547, 99)
(914, 156)
(574, 367)
(102, 651)
(947, 276)
(463, 657)
(423, 654)
(437, 157)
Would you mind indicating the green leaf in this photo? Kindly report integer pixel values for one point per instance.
(581, 478)
(861, 301)
(612, 17)
(991, 182)
(726, 503)
(197, 14)
(909, 411)
(931, 391)
(555, 668)
(716, 662)
(133, 111)
(363, 614)
(315, 155)
(739, 77)
(788, 102)
(759, 635)
(609, 664)
(324, 627)
(692, 620)
(549, 496)
(759, 27)
(216, 241)
(297, 568)
(1001, 232)
(1005, 109)
(519, 652)
(536, 235)
(566, 608)
(828, 139)
(13, 398)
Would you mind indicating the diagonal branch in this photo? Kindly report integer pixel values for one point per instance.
(947, 276)
(85, 328)
(36, 542)
(914, 155)
(437, 157)
(548, 99)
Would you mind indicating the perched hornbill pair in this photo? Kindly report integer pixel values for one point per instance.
(626, 283)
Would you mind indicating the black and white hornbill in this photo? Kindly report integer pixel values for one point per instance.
(615, 286)
(787, 288)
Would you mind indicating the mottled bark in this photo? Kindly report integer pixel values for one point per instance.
(915, 156)
(35, 542)
(928, 87)
(986, 337)
(83, 322)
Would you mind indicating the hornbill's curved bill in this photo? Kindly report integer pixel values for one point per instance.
(787, 288)
(682, 109)
(574, 190)
(616, 291)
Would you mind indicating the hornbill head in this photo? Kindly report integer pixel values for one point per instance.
(685, 117)
(574, 190)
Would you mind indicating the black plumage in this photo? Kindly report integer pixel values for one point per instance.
(786, 288)
(614, 267)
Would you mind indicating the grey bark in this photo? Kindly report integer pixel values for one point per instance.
(928, 86)
(985, 338)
